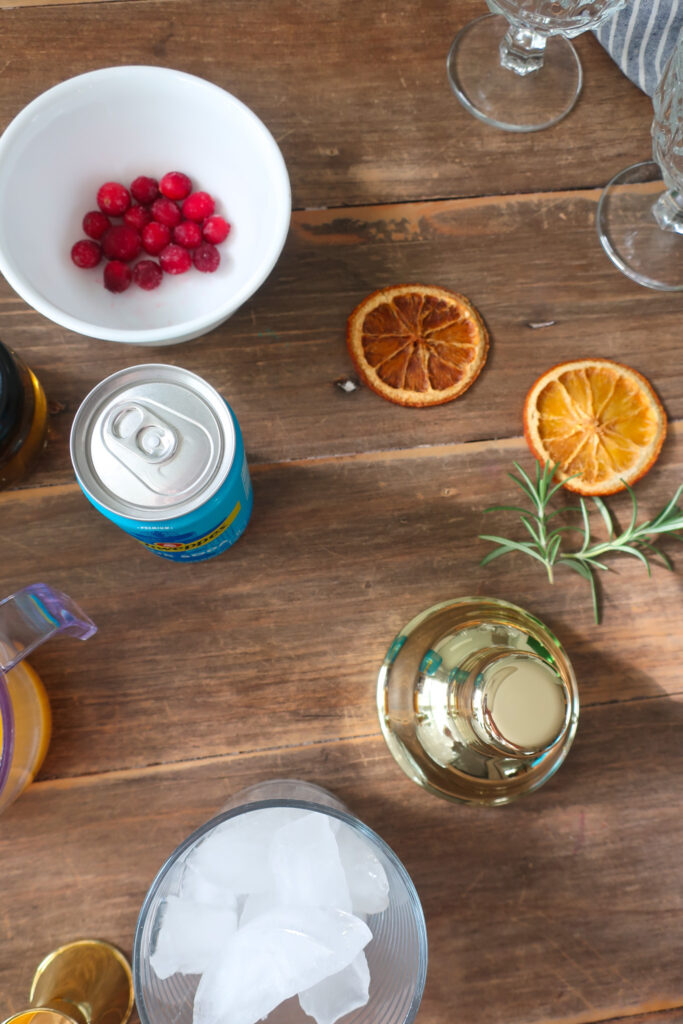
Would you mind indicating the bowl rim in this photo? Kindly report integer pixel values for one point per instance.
(345, 816)
(185, 329)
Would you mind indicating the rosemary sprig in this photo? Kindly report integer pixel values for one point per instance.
(546, 539)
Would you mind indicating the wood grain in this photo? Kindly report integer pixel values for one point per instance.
(521, 260)
(356, 95)
(10, 5)
(570, 899)
(562, 909)
(281, 638)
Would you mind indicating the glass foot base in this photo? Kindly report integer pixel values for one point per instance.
(503, 98)
(444, 713)
(88, 980)
(631, 236)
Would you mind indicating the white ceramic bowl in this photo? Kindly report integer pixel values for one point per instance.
(113, 125)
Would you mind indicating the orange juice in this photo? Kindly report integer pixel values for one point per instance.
(31, 726)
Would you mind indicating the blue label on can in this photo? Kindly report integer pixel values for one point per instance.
(206, 531)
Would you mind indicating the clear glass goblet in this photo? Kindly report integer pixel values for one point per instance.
(515, 68)
(640, 213)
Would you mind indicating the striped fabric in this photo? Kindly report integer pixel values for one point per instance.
(641, 37)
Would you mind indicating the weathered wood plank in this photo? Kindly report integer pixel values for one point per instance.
(10, 5)
(522, 260)
(561, 909)
(294, 621)
(658, 1017)
(356, 95)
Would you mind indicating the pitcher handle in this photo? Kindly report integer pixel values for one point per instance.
(33, 615)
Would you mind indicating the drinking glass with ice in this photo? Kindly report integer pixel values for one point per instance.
(284, 900)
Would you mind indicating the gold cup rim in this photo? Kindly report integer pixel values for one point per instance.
(16, 1017)
(113, 954)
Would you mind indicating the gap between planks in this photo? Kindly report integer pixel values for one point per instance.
(11, 5)
(589, 192)
(169, 767)
(619, 1015)
(436, 451)
(255, 468)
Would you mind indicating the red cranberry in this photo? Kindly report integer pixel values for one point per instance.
(198, 206)
(137, 217)
(206, 258)
(121, 242)
(113, 198)
(175, 260)
(117, 276)
(175, 185)
(145, 190)
(215, 230)
(155, 237)
(96, 223)
(147, 274)
(86, 253)
(188, 234)
(166, 212)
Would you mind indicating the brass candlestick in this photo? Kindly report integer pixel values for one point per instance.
(84, 982)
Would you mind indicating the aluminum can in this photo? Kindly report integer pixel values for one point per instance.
(159, 452)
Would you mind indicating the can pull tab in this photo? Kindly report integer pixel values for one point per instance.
(147, 436)
(168, 459)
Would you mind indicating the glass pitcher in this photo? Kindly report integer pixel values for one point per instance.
(27, 619)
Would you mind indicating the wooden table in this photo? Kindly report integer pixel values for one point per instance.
(202, 679)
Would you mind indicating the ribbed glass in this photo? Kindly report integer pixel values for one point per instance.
(396, 954)
(667, 126)
(557, 17)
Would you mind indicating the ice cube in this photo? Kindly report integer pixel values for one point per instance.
(254, 904)
(336, 996)
(366, 878)
(191, 936)
(305, 865)
(194, 886)
(234, 855)
(278, 954)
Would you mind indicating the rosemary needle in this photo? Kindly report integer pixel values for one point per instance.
(546, 541)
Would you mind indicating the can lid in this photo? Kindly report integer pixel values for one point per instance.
(152, 442)
(11, 393)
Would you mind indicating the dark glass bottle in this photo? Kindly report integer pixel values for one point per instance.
(23, 417)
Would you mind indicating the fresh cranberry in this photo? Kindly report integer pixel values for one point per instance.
(155, 237)
(175, 260)
(117, 276)
(96, 223)
(113, 198)
(188, 234)
(86, 253)
(198, 206)
(145, 190)
(147, 274)
(175, 185)
(206, 258)
(121, 242)
(215, 230)
(165, 211)
(137, 217)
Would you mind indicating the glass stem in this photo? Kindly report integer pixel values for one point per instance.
(522, 50)
(668, 211)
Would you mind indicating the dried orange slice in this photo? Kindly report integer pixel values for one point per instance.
(596, 418)
(416, 344)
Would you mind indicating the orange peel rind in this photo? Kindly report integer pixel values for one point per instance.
(596, 418)
(417, 345)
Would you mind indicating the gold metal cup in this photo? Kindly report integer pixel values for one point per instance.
(84, 982)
